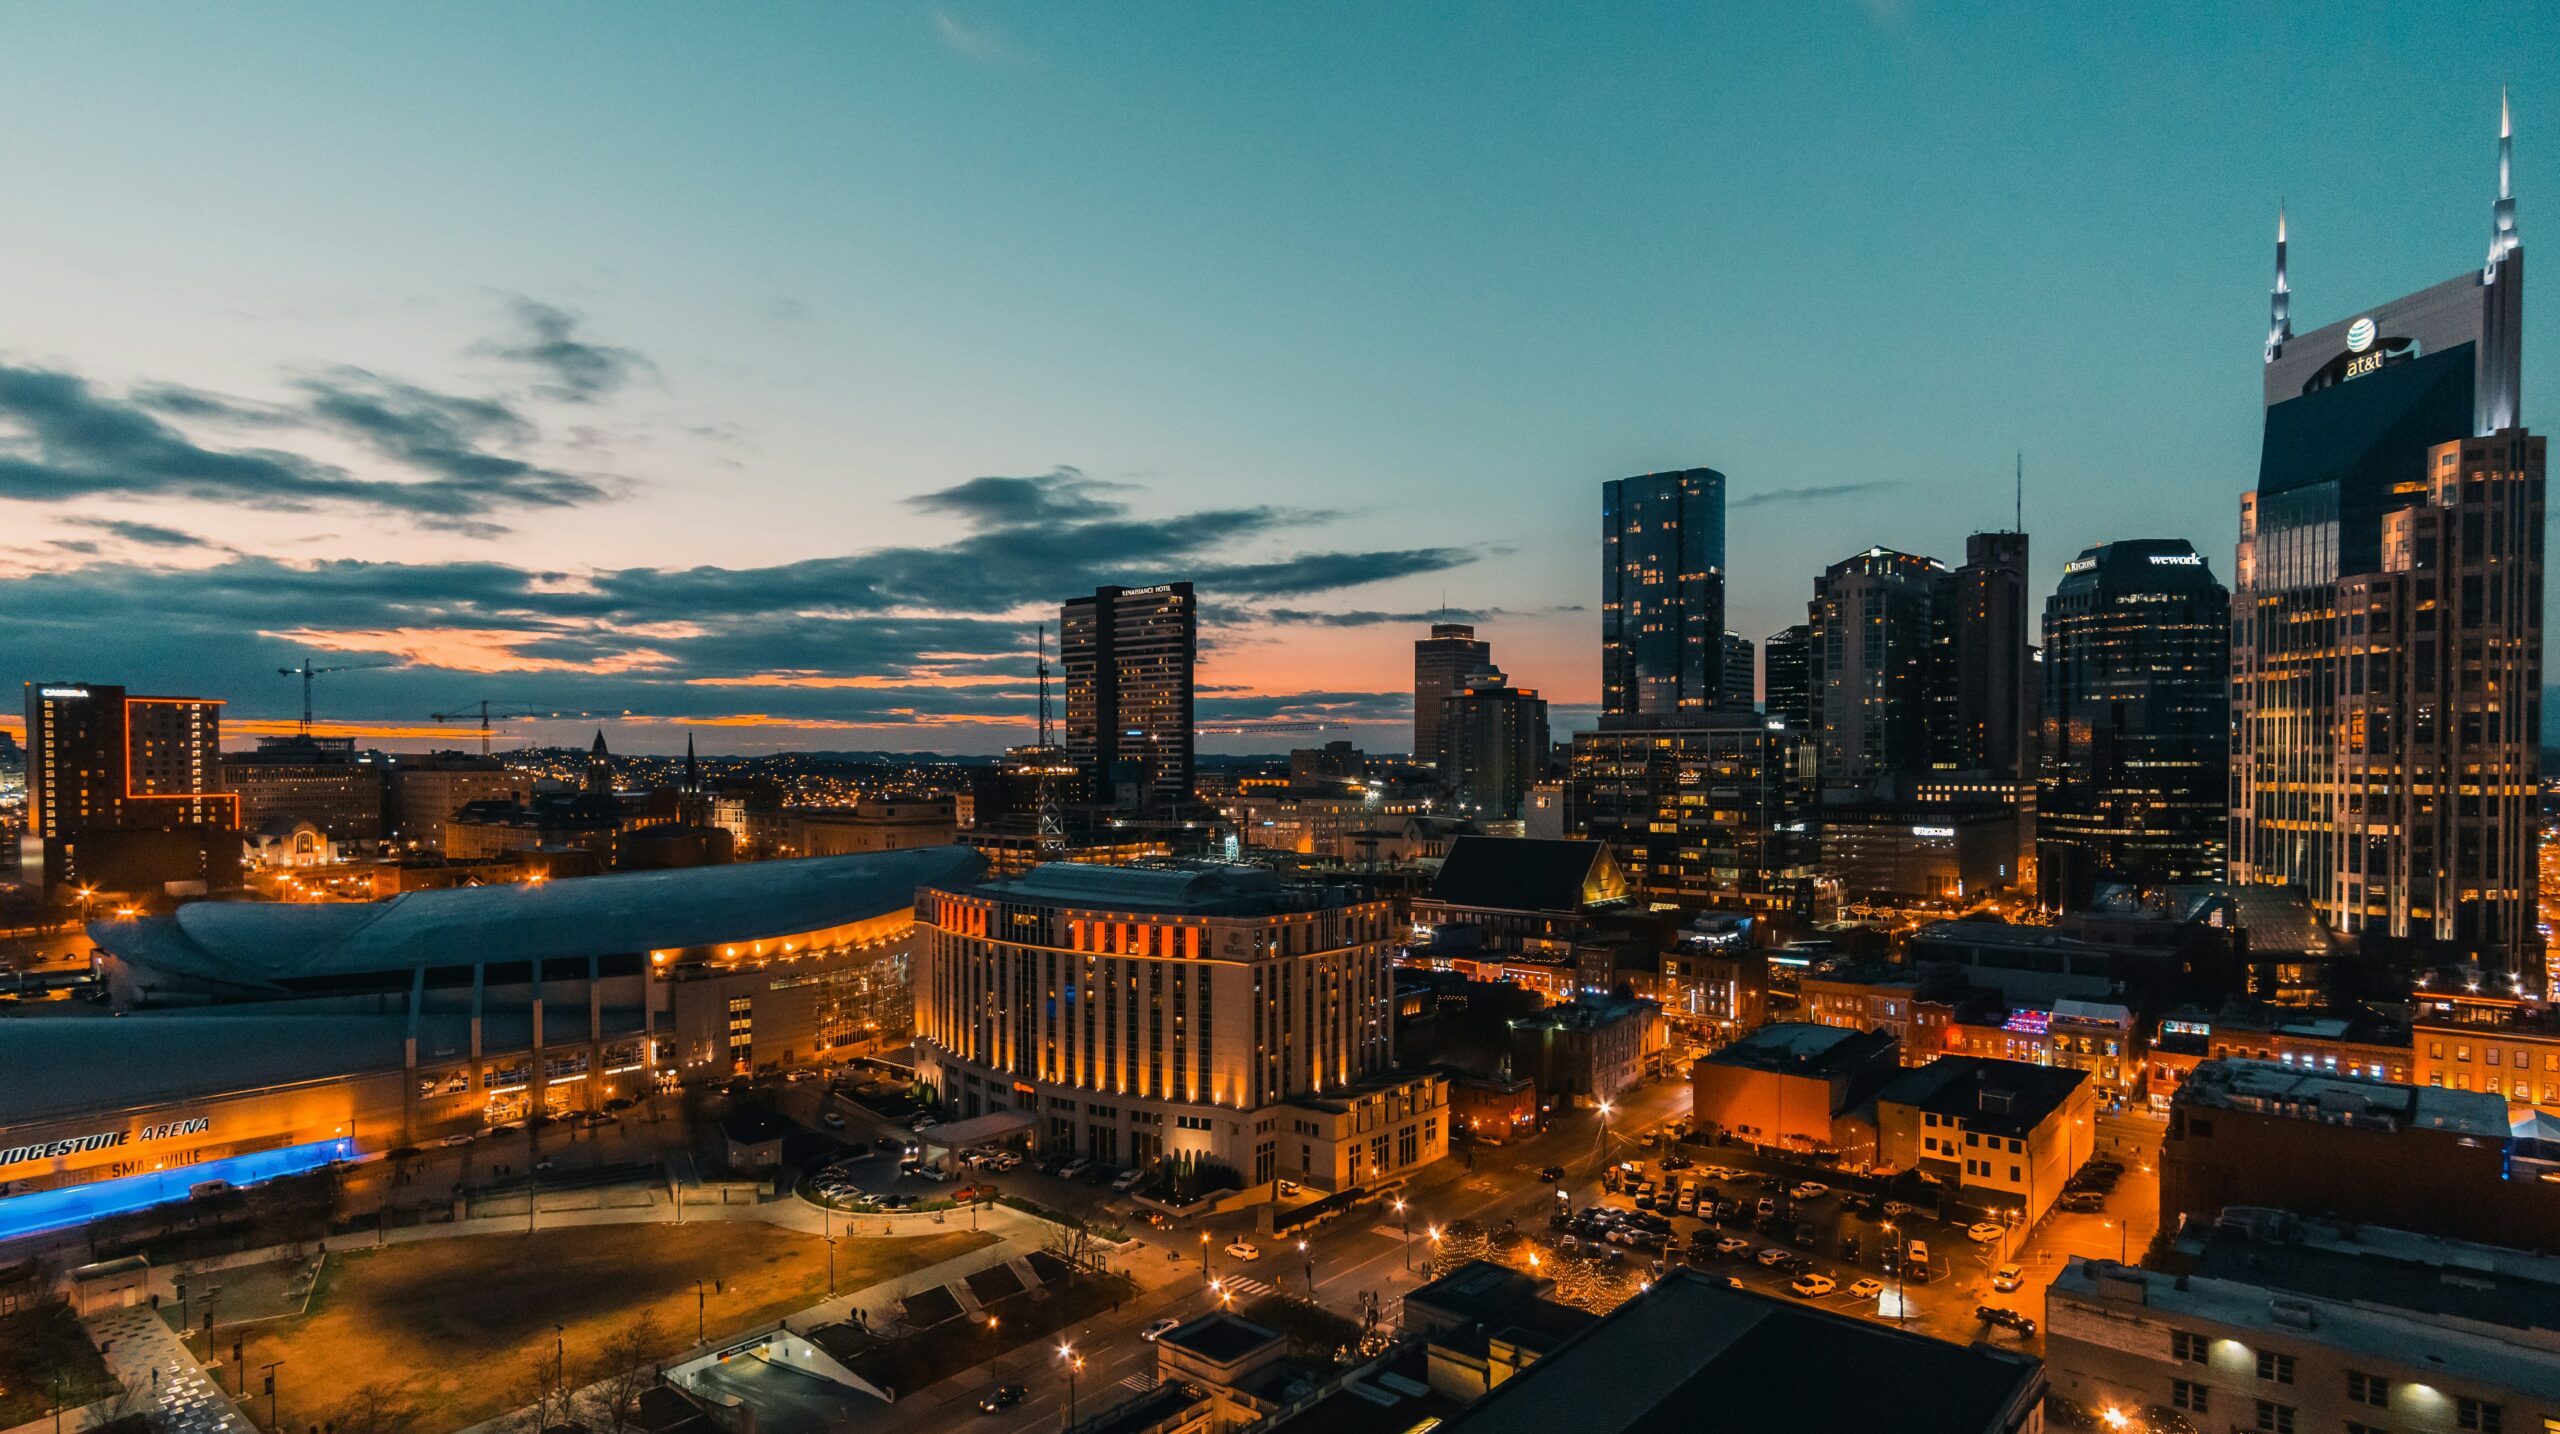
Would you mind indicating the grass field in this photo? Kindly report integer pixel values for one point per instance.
(453, 1330)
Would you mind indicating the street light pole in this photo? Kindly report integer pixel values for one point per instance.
(1305, 1254)
(1204, 1259)
(698, 1336)
(1406, 1212)
(271, 1395)
(1075, 1364)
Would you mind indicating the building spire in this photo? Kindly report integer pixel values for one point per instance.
(2503, 239)
(2280, 298)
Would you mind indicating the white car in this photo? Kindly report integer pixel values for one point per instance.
(832, 1121)
(1127, 1180)
(1244, 1250)
(462, 1139)
(1813, 1286)
(1808, 1190)
(1732, 1245)
(1159, 1330)
(1866, 1289)
(1774, 1257)
(1984, 1232)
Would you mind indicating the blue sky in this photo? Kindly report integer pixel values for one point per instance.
(676, 312)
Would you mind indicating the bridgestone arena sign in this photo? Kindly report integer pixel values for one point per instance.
(103, 1140)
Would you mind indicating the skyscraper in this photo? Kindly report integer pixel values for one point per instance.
(1661, 595)
(1448, 657)
(1493, 746)
(1740, 693)
(1787, 679)
(124, 792)
(1130, 655)
(2137, 722)
(1994, 689)
(1877, 620)
(2394, 542)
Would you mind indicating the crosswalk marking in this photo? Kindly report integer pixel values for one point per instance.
(1246, 1285)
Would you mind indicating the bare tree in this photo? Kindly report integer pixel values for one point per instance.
(1074, 1246)
(623, 1369)
(376, 1408)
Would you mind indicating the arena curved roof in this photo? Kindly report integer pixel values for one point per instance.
(272, 944)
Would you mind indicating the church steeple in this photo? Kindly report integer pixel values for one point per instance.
(599, 779)
(2280, 298)
(2503, 239)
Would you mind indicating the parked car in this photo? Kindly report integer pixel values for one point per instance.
(1794, 1265)
(831, 1120)
(2084, 1202)
(1849, 1248)
(1808, 1190)
(1074, 1168)
(1290, 1187)
(462, 1139)
(1244, 1250)
(1159, 1330)
(1127, 1180)
(1806, 1236)
(2007, 1278)
(2006, 1319)
(1002, 1398)
(1773, 1257)
(1813, 1286)
(1985, 1232)
(1732, 1245)
(1867, 1288)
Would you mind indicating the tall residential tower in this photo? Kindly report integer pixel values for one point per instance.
(1129, 655)
(1662, 596)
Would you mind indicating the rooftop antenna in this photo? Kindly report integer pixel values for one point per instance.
(1051, 834)
(2018, 518)
(1043, 641)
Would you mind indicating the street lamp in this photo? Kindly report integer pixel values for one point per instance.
(1311, 1270)
(1075, 1365)
(1405, 1212)
(1204, 1258)
(698, 1297)
(1893, 1235)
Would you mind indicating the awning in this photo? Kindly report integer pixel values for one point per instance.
(977, 1130)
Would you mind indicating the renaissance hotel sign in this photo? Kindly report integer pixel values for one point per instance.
(103, 1140)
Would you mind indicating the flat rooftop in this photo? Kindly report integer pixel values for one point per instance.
(2396, 1337)
(1172, 887)
(1802, 1048)
(1691, 1354)
(2424, 1274)
(2267, 1088)
(1995, 1097)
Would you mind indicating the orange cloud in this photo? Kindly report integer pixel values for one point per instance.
(471, 649)
(912, 720)
(373, 731)
(922, 677)
(15, 726)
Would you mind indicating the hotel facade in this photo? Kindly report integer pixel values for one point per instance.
(1182, 1011)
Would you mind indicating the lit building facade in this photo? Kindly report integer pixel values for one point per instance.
(1441, 663)
(1176, 1011)
(1786, 662)
(124, 792)
(2137, 715)
(2387, 617)
(1662, 595)
(1739, 675)
(1705, 813)
(1877, 621)
(1493, 746)
(320, 780)
(1130, 655)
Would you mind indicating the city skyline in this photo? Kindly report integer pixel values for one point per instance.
(740, 449)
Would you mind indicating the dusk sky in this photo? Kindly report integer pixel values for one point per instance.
(772, 370)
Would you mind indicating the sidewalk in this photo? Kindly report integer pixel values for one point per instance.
(148, 1359)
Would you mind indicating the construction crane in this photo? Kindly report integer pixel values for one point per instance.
(1249, 729)
(485, 709)
(306, 672)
